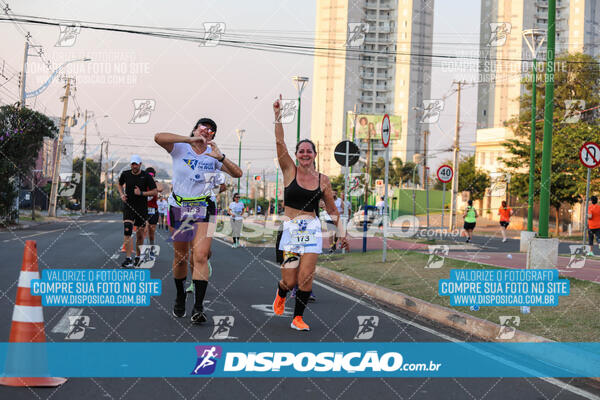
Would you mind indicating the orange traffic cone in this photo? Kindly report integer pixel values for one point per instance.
(28, 320)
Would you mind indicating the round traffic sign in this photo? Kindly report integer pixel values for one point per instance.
(445, 173)
(589, 154)
(385, 130)
(346, 147)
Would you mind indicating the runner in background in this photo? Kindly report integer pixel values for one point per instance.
(152, 209)
(505, 213)
(470, 217)
(163, 207)
(236, 212)
(593, 223)
(134, 187)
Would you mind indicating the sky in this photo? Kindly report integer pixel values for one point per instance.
(184, 81)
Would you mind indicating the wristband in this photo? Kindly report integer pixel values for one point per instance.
(222, 158)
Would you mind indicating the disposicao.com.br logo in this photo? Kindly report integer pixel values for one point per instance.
(351, 362)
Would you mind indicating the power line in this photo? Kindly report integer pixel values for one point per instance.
(194, 36)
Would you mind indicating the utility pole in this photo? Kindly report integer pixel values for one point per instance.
(56, 167)
(24, 74)
(105, 178)
(84, 169)
(455, 160)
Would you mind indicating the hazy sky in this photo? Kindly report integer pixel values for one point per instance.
(234, 86)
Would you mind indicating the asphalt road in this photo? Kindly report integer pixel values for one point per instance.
(242, 286)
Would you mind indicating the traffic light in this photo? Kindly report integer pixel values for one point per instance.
(257, 178)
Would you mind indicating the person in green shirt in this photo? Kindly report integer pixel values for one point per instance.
(470, 217)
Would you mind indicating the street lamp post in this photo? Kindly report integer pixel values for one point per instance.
(532, 38)
(240, 133)
(41, 89)
(300, 82)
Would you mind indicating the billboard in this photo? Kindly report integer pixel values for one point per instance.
(366, 123)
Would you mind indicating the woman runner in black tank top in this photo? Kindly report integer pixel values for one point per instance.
(304, 187)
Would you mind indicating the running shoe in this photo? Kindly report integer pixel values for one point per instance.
(298, 324)
(198, 316)
(279, 304)
(590, 254)
(136, 261)
(293, 294)
(128, 263)
(190, 288)
(312, 297)
(179, 308)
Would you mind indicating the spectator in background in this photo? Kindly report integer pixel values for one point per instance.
(593, 223)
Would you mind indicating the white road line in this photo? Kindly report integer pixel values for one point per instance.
(222, 241)
(553, 381)
(35, 234)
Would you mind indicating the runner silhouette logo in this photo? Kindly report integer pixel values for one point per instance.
(366, 326)
(77, 326)
(207, 359)
(223, 324)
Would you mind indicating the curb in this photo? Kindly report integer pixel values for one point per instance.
(463, 322)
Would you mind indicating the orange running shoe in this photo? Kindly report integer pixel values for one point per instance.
(278, 304)
(299, 325)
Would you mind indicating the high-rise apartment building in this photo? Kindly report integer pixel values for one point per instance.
(388, 72)
(502, 46)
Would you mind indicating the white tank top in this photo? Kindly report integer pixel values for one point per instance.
(194, 175)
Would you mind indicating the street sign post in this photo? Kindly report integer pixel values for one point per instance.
(589, 155)
(346, 153)
(444, 174)
(385, 139)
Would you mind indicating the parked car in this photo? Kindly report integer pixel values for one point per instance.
(359, 216)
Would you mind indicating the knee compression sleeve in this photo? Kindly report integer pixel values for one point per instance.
(128, 228)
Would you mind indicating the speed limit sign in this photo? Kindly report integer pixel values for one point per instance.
(445, 173)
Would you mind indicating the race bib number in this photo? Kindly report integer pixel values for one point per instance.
(303, 238)
(151, 211)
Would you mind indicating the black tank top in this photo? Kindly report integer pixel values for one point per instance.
(302, 199)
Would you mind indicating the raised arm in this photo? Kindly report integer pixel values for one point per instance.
(167, 140)
(285, 161)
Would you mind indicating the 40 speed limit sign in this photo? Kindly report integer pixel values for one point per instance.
(445, 173)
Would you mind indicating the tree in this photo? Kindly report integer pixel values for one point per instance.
(577, 77)
(471, 179)
(22, 133)
(399, 172)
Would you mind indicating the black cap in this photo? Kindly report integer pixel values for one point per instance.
(207, 121)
